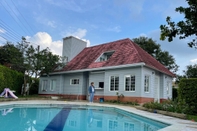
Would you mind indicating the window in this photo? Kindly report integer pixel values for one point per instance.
(72, 123)
(44, 85)
(114, 83)
(130, 83)
(105, 56)
(101, 84)
(74, 81)
(146, 83)
(128, 126)
(113, 125)
(53, 85)
(99, 124)
(168, 87)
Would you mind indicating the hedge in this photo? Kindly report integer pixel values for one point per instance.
(10, 79)
(187, 92)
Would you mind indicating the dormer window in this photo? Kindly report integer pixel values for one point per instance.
(105, 56)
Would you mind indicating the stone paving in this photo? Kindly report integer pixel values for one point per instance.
(176, 123)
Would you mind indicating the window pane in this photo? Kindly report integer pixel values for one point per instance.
(129, 83)
(44, 85)
(74, 81)
(101, 84)
(114, 83)
(146, 83)
(53, 85)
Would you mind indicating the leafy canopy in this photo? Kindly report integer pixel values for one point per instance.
(154, 50)
(184, 28)
(11, 57)
(191, 71)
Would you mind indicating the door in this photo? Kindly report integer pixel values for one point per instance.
(156, 93)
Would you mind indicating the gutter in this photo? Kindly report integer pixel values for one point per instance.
(101, 68)
(159, 70)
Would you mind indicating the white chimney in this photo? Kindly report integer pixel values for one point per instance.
(72, 46)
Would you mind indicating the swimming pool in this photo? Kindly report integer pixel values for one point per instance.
(68, 117)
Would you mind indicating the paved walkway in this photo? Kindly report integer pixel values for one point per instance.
(176, 123)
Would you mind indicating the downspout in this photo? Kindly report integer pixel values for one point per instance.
(61, 87)
(142, 66)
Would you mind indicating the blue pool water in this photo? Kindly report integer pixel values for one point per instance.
(73, 118)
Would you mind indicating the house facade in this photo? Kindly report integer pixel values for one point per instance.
(117, 68)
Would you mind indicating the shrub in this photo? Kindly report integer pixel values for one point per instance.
(10, 79)
(187, 93)
(174, 93)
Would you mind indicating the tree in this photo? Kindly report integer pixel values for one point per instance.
(184, 28)
(154, 50)
(11, 57)
(191, 71)
(37, 62)
(47, 61)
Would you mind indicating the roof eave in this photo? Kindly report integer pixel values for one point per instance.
(101, 68)
(160, 71)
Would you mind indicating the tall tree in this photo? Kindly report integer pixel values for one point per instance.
(184, 28)
(36, 61)
(191, 71)
(154, 50)
(11, 56)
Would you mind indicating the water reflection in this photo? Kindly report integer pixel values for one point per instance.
(90, 117)
(6, 111)
(72, 119)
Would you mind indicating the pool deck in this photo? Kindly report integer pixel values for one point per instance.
(176, 123)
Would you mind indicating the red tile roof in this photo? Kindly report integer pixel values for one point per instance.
(125, 52)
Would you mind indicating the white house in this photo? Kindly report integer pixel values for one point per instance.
(119, 66)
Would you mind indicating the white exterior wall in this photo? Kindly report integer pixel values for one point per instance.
(151, 74)
(121, 73)
(72, 46)
(73, 89)
(63, 85)
(96, 78)
(49, 79)
(164, 93)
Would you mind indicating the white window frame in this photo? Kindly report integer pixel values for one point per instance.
(112, 125)
(72, 81)
(128, 127)
(147, 83)
(52, 84)
(114, 83)
(44, 85)
(105, 56)
(168, 87)
(131, 83)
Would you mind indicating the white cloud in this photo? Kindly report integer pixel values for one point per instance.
(52, 24)
(143, 35)
(194, 61)
(44, 40)
(88, 42)
(42, 19)
(115, 29)
(80, 33)
(2, 31)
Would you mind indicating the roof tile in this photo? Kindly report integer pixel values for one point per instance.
(125, 52)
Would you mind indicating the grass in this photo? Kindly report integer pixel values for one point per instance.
(192, 117)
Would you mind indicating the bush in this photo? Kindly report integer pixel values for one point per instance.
(187, 93)
(34, 87)
(168, 105)
(10, 79)
(174, 93)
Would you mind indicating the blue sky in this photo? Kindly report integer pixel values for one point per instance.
(46, 22)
